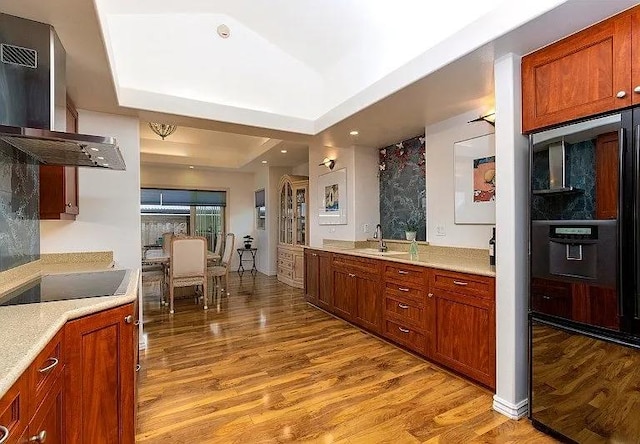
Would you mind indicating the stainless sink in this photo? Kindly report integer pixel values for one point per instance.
(375, 252)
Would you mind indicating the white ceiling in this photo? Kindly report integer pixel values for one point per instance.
(449, 79)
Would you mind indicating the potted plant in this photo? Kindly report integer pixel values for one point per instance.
(411, 230)
(247, 241)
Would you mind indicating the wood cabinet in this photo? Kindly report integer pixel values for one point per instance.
(607, 176)
(59, 184)
(594, 71)
(292, 229)
(318, 284)
(445, 316)
(48, 423)
(100, 406)
(465, 324)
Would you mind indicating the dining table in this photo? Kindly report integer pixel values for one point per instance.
(161, 257)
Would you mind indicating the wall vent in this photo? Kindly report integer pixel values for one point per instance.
(17, 55)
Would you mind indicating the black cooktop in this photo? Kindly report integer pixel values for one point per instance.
(61, 287)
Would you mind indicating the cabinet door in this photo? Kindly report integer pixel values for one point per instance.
(298, 269)
(325, 282)
(368, 303)
(311, 275)
(582, 75)
(100, 377)
(47, 424)
(343, 293)
(465, 335)
(635, 54)
(607, 175)
(14, 414)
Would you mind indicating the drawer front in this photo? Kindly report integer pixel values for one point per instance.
(361, 264)
(44, 370)
(286, 255)
(405, 311)
(284, 272)
(468, 284)
(406, 335)
(285, 264)
(13, 411)
(406, 291)
(407, 275)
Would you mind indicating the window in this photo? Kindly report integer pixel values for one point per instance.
(261, 210)
(192, 212)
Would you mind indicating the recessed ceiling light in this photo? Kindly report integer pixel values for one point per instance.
(353, 133)
(95, 149)
(100, 158)
(264, 161)
(191, 167)
(224, 31)
(283, 151)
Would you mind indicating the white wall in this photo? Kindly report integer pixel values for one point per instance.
(363, 192)
(511, 236)
(109, 201)
(440, 181)
(261, 181)
(300, 170)
(239, 186)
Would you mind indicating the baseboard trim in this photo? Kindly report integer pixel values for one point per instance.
(510, 410)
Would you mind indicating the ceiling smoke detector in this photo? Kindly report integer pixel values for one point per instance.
(224, 31)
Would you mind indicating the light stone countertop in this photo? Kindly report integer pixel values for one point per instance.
(443, 258)
(27, 329)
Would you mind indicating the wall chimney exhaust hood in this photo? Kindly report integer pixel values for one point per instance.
(33, 100)
(557, 171)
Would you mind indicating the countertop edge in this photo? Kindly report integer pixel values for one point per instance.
(102, 303)
(429, 263)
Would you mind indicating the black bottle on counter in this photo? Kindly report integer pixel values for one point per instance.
(492, 248)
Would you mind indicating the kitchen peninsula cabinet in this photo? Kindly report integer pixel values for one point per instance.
(80, 387)
(445, 316)
(591, 72)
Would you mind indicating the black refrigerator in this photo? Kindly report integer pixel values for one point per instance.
(584, 297)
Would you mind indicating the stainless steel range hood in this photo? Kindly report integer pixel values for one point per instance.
(33, 100)
(557, 171)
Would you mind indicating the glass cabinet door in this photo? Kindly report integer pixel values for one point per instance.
(301, 216)
(289, 212)
(283, 214)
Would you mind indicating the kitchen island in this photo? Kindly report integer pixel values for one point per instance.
(55, 360)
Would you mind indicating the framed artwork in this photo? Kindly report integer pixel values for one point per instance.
(475, 180)
(332, 197)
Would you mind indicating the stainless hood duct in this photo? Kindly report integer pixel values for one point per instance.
(557, 171)
(33, 99)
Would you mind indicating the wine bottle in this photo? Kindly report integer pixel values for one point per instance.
(492, 248)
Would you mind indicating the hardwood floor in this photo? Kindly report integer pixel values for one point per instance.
(262, 366)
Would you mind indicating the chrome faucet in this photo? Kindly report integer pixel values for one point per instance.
(378, 235)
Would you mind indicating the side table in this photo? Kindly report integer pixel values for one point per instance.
(252, 259)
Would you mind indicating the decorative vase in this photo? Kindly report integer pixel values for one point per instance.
(410, 235)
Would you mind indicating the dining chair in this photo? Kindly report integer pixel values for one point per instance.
(188, 265)
(153, 272)
(216, 273)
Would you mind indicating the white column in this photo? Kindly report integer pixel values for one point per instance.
(511, 398)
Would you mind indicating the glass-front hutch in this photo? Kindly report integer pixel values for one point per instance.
(293, 229)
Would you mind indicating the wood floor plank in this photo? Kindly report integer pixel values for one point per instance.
(262, 366)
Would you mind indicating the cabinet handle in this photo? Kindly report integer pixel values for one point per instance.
(462, 284)
(54, 362)
(5, 434)
(403, 330)
(402, 272)
(636, 89)
(352, 275)
(137, 323)
(430, 295)
(621, 94)
(128, 319)
(138, 367)
(403, 289)
(69, 205)
(403, 306)
(40, 437)
(314, 254)
(546, 298)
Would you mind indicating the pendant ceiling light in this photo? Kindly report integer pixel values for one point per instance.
(162, 129)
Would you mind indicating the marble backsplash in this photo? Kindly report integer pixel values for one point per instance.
(19, 211)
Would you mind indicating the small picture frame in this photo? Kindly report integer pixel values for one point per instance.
(332, 198)
(475, 181)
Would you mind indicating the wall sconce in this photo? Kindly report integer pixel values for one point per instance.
(489, 118)
(329, 163)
